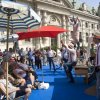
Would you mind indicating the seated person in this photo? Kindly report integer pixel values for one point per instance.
(29, 69)
(24, 66)
(14, 81)
(13, 91)
(22, 74)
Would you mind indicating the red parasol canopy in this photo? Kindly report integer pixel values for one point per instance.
(44, 31)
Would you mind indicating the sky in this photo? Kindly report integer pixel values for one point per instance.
(91, 3)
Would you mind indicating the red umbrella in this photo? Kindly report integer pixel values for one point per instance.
(44, 31)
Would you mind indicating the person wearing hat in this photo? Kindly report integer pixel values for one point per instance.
(71, 60)
(96, 39)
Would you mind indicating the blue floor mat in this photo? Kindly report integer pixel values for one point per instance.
(60, 88)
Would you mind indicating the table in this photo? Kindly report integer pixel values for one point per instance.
(82, 70)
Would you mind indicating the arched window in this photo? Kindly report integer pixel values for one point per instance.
(54, 20)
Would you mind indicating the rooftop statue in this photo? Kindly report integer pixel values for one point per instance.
(98, 10)
(93, 11)
(84, 7)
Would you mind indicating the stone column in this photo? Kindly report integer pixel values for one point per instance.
(83, 33)
(38, 42)
(89, 41)
(39, 12)
(64, 26)
(69, 27)
(47, 40)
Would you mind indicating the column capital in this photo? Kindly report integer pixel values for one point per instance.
(64, 21)
(44, 17)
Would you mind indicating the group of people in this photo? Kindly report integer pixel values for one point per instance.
(69, 59)
(22, 76)
(21, 79)
(37, 58)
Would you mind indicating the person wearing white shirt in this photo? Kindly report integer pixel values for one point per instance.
(97, 64)
(44, 55)
(64, 54)
(71, 60)
(50, 56)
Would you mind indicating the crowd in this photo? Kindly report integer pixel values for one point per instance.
(72, 55)
(22, 65)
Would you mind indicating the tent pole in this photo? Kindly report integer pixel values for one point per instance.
(7, 47)
(42, 64)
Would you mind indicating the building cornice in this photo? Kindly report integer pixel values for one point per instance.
(56, 4)
(73, 11)
(83, 13)
(69, 3)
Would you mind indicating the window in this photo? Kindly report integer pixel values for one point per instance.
(92, 26)
(86, 25)
(87, 37)
(80, 37)
(97, 26)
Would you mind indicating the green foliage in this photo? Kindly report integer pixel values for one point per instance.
(54, 47)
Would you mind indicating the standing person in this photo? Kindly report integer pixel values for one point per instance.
(92, 54)
(64, 55)
(26, 55)
(38, 61)
(7, 55)
(44, 55)
(71, 60)
(81, 54)
(50, 56)
(22, 55)
(30, 57)
(97, 64)
(1, 56)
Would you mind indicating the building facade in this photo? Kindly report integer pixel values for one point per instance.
(58, 12)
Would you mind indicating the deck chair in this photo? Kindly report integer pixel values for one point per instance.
(3, 96)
